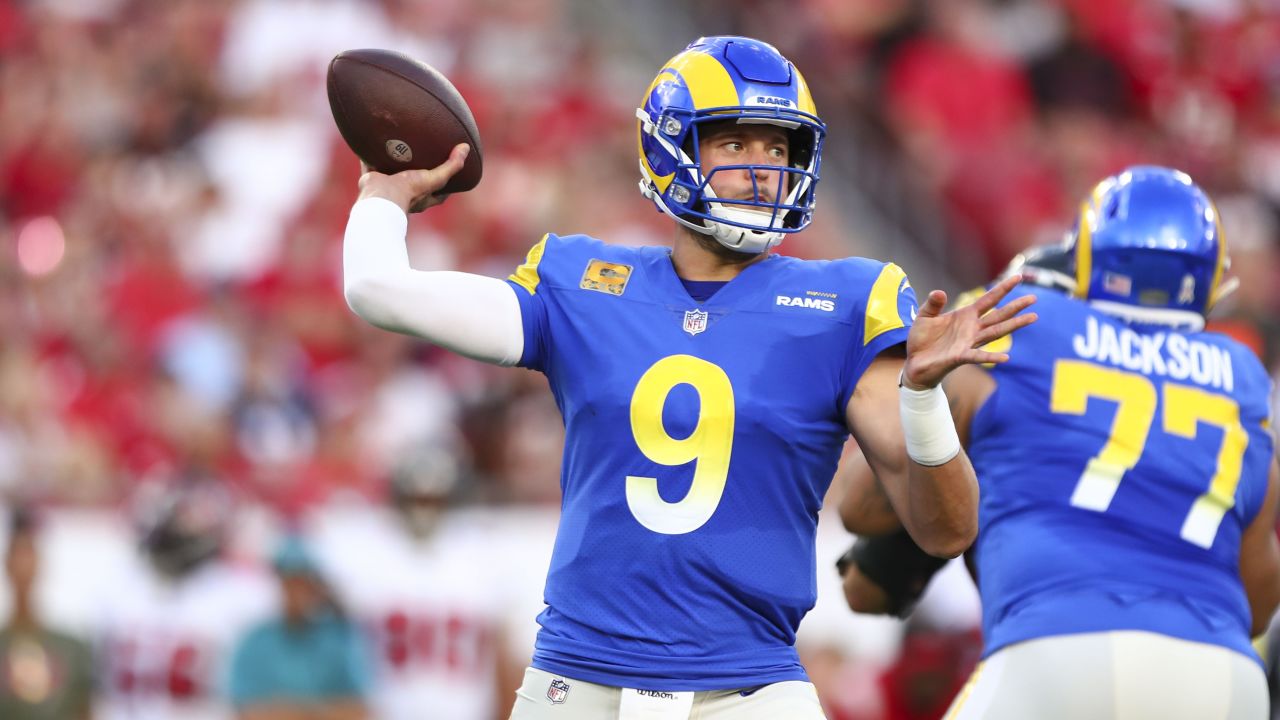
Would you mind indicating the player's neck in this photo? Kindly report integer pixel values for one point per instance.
(700, 257)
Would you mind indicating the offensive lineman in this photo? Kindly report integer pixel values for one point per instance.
(1126, 550)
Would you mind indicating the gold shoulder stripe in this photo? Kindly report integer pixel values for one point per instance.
(882, 304)
(526, 276)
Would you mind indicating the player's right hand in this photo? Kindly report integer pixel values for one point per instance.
(413, 190)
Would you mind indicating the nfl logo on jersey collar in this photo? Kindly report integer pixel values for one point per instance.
(695, 321)
(558, 691)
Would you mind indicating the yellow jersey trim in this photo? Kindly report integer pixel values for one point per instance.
(526, 276)
(882, 305)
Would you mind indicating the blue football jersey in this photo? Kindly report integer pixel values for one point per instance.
(700, 440)
(1119, 466)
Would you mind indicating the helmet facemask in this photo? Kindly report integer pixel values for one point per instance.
(743, 225)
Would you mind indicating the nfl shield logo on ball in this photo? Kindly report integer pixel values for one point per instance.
(558, 691)
(399, 150)
(695, 321)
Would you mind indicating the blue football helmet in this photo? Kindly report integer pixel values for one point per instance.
(729, 78)
(1148, 247)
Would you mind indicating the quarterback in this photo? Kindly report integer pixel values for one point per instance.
(706, 390)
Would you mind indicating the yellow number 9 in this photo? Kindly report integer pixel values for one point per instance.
(709, 445)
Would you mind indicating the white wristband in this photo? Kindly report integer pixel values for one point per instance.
(927, 426)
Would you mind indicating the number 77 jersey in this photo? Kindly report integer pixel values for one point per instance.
(1119, 467)
(700, 441)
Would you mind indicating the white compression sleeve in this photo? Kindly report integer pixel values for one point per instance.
(473, 315)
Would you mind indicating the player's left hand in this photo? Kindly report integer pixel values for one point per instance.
(940, 342)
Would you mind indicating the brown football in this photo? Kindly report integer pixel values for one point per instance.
(400, 114)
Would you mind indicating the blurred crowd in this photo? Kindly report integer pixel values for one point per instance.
(173, 195)
(172, 200)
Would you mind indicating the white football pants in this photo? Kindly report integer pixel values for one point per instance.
(1123, 675)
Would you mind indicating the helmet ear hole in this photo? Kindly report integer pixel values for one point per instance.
(691, 142)
(800, 148)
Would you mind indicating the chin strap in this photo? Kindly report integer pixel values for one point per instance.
(740, 239)
(1225, 288)
(734, 236)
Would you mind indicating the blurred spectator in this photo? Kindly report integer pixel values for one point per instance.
(963, 111)
(307, 664)
(1077, 74)
(44, 674)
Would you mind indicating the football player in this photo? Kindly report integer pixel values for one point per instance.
(1126, 550)
(425, 586)
(170, 622)
(706, 388)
